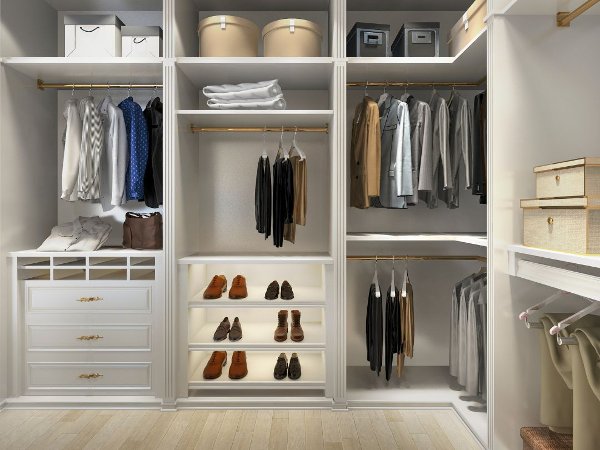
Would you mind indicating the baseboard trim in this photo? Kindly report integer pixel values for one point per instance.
(254, 403)
(82, 402)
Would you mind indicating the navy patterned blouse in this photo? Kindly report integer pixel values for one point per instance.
(138, 140)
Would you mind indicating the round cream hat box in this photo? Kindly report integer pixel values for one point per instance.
(292, 37)
(228, 36)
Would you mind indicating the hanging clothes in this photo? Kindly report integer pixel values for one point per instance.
(71, 150)
(92, 145)
(469, 294)
(460, 147)
(479, 155)
(138, 139)
(407, 320)
(283, 197)
(473, 361)
(421, 136)
(153, 180)
(116, 158)
(441, 167)
(393, 330)
(365, 154)
(374, 330)
(300, 198)
(262, 197)
(454, 316)
(396, 154)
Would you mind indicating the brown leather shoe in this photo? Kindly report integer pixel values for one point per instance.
(272, 291)
(235, 334)
(297, 333)
(238, 368)
(222, 330)
(286, 291)
(214, 366)
(238, 288)
(281, 331)
(215, 289)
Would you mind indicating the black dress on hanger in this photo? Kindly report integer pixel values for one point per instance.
(262, 197)
(153, 182)
(393, 333)
(283, 197)
(374, 328)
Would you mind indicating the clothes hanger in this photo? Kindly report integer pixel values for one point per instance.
(405, 280)
(264, 152)
(295, 147)
(393, 283)
(129, 90)
(376, 281)
(73, 91)
(280, 150)
(366, 86)
(525, 314)
(383, 97)
(575, 317)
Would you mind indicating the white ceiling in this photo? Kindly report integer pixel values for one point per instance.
(106, 5)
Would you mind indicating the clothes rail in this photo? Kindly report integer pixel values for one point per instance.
(564, 19)
(42, 85)
(195, 129)
(415, 83)
(417, 258)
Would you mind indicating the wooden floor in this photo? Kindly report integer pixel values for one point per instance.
(234, 429)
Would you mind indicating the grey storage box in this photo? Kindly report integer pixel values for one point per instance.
(418, 39)
(92, 35)
(142, 41)
(368, 39)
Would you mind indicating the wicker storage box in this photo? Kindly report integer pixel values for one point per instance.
(228, 36)
(568, 225)
(542, 438)
(468, 27)
(292, 37)
(576, 178)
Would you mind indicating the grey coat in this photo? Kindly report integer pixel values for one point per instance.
(442, 174)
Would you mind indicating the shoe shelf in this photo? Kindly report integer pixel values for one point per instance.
(317, 258)
(304, 297)
(260, 372)
(258, 336)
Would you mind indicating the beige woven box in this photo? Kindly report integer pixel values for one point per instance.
(468, 27)
(568, 225)
(575, 178)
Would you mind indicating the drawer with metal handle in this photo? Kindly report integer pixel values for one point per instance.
(83, 299)
(88, 376)
(89, 338)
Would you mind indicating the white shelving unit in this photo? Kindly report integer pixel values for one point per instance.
(478, 239)
(286, 118)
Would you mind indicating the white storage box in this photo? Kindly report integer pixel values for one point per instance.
(92, 35)
(228, 36)
(142, 42)
(292, 37)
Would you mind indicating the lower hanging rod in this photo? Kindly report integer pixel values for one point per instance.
(42, 85)
(415, 83)
(195, 129)
(417, 258)
(564, 19)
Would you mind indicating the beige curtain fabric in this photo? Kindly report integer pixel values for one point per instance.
(300, 196)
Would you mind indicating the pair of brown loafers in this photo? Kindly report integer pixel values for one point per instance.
(281, 332)
(283, 369)
(273, 291)
(218, 286)
(226, 329)
(214, 367)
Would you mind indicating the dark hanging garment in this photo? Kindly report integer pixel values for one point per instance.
(392, 330)
(374, 328)
(479, 162)
(283, 198)
(262, 197)
(153, 181)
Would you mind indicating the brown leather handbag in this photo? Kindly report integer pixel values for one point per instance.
(142, 231)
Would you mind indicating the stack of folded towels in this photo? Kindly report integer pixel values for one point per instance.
(83, 234)
(261, 95)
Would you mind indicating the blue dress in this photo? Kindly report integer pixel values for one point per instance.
(139, 145)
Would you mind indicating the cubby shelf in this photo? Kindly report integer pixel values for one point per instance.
(545, 7)
(288, 118)
(292, 73)
(89, 70)
(479, 239)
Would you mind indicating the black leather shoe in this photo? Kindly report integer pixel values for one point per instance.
(294, 369)
(281, 367)
(272, 291)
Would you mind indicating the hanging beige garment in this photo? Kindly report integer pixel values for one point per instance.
(407, 328)
(300, 198)
(586, 389)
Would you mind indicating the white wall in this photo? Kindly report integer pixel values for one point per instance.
(544, 109)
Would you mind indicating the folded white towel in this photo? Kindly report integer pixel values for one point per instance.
(268, 103)
(243, 91)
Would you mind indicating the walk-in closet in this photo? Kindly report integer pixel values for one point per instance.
(296, 205)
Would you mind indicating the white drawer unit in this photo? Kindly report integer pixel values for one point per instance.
(92, 376)
(89, 338)
(86, 299)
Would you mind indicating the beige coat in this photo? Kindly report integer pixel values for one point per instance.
(365, 154)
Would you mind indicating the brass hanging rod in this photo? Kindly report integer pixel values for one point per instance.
(195, 129)
(41, 86)
(416, 83)
(418, 258)
(564, 19)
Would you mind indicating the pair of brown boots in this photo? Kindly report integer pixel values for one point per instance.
(281, 332)
(214, 367)
(218, 286)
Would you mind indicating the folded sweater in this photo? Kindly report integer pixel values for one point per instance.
(83, 234)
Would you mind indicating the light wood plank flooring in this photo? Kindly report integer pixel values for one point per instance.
(234, 429)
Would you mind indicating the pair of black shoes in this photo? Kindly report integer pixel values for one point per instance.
(272, 292)
(283, 369)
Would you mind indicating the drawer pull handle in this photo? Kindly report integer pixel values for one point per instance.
(550, 221)
(90, 376)
(90, 299)
(90, 338)
(557, 178)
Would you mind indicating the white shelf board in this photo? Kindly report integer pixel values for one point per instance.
(260, 373)
(259, 336)
(102, 253)
(303, 297)
(408, 5)
(257, 259)
(573, 258)
(292, 73)
(468, 66)
(545, 7)
(263, 5)
(106, 5)
(89, 70)
(289, 118)
(466, 238)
